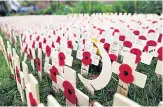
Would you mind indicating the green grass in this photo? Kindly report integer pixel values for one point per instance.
(151, 95)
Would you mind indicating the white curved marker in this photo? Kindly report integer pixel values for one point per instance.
(103, 79)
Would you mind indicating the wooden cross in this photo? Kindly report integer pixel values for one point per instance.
(19, 75)
(10, 57)
(32, 88)
(25, 73)
(122, 86)
(40, 57)
(3, 49)
(70, 76)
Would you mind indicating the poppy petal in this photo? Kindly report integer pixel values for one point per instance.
(126, 73)
(125, 67)
(136, 32)
(127, 44)
(32, 100)
(138, 59)
(61, 58)
(136, 51)
(38, 64)
(102, 40)
(126, 79)
(67, 85)
(151, 43)
(160, 38)
(122, 38)
(142, 38)
(54, 72)
(151, 31)
(40, 45)
(86, 60)
(69, 44)
(107, 47)
(113, 57)
(48, 50)
(159, 51)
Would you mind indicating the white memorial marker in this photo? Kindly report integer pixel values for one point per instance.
(127, 74)
(32, 91)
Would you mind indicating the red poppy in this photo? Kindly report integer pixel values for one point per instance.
(102, 40)
(159, 51)
(160, 38)
(33, 44)
(151, 31)
(138, 59)
(113, 57)
(121, 37)
(38, 64)
(142, 38)
(58, 39)
(151, 43)
(30, 54)
(24, 39)
(69, 44)
(115, 31)
(54, 32)
(30, 37)
(69, 92)
(44, 41)
(74, 35)
(9, 57)
(53, 45)
(61, 57)
(145, 48)
(107, 47)
(136, 32)
(86, 60)
(83, 41)
(54, 72)
(38, 37)
(127, 44)
(101, 31)
(40, 45)
(154, 22)
(32, 100)
(18, 75)
(136, 51)
(125, 74)
(48, 50)
(25, 49)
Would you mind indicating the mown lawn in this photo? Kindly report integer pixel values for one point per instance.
(151, 95)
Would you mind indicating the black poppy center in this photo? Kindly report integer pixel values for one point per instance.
(18, 75)
(54, 73)
(106, 48)
(69, 91)
(150, 44)
(125, 73)
(61, 58)
(86, 57)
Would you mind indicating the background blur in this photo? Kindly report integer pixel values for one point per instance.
(15, 7)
